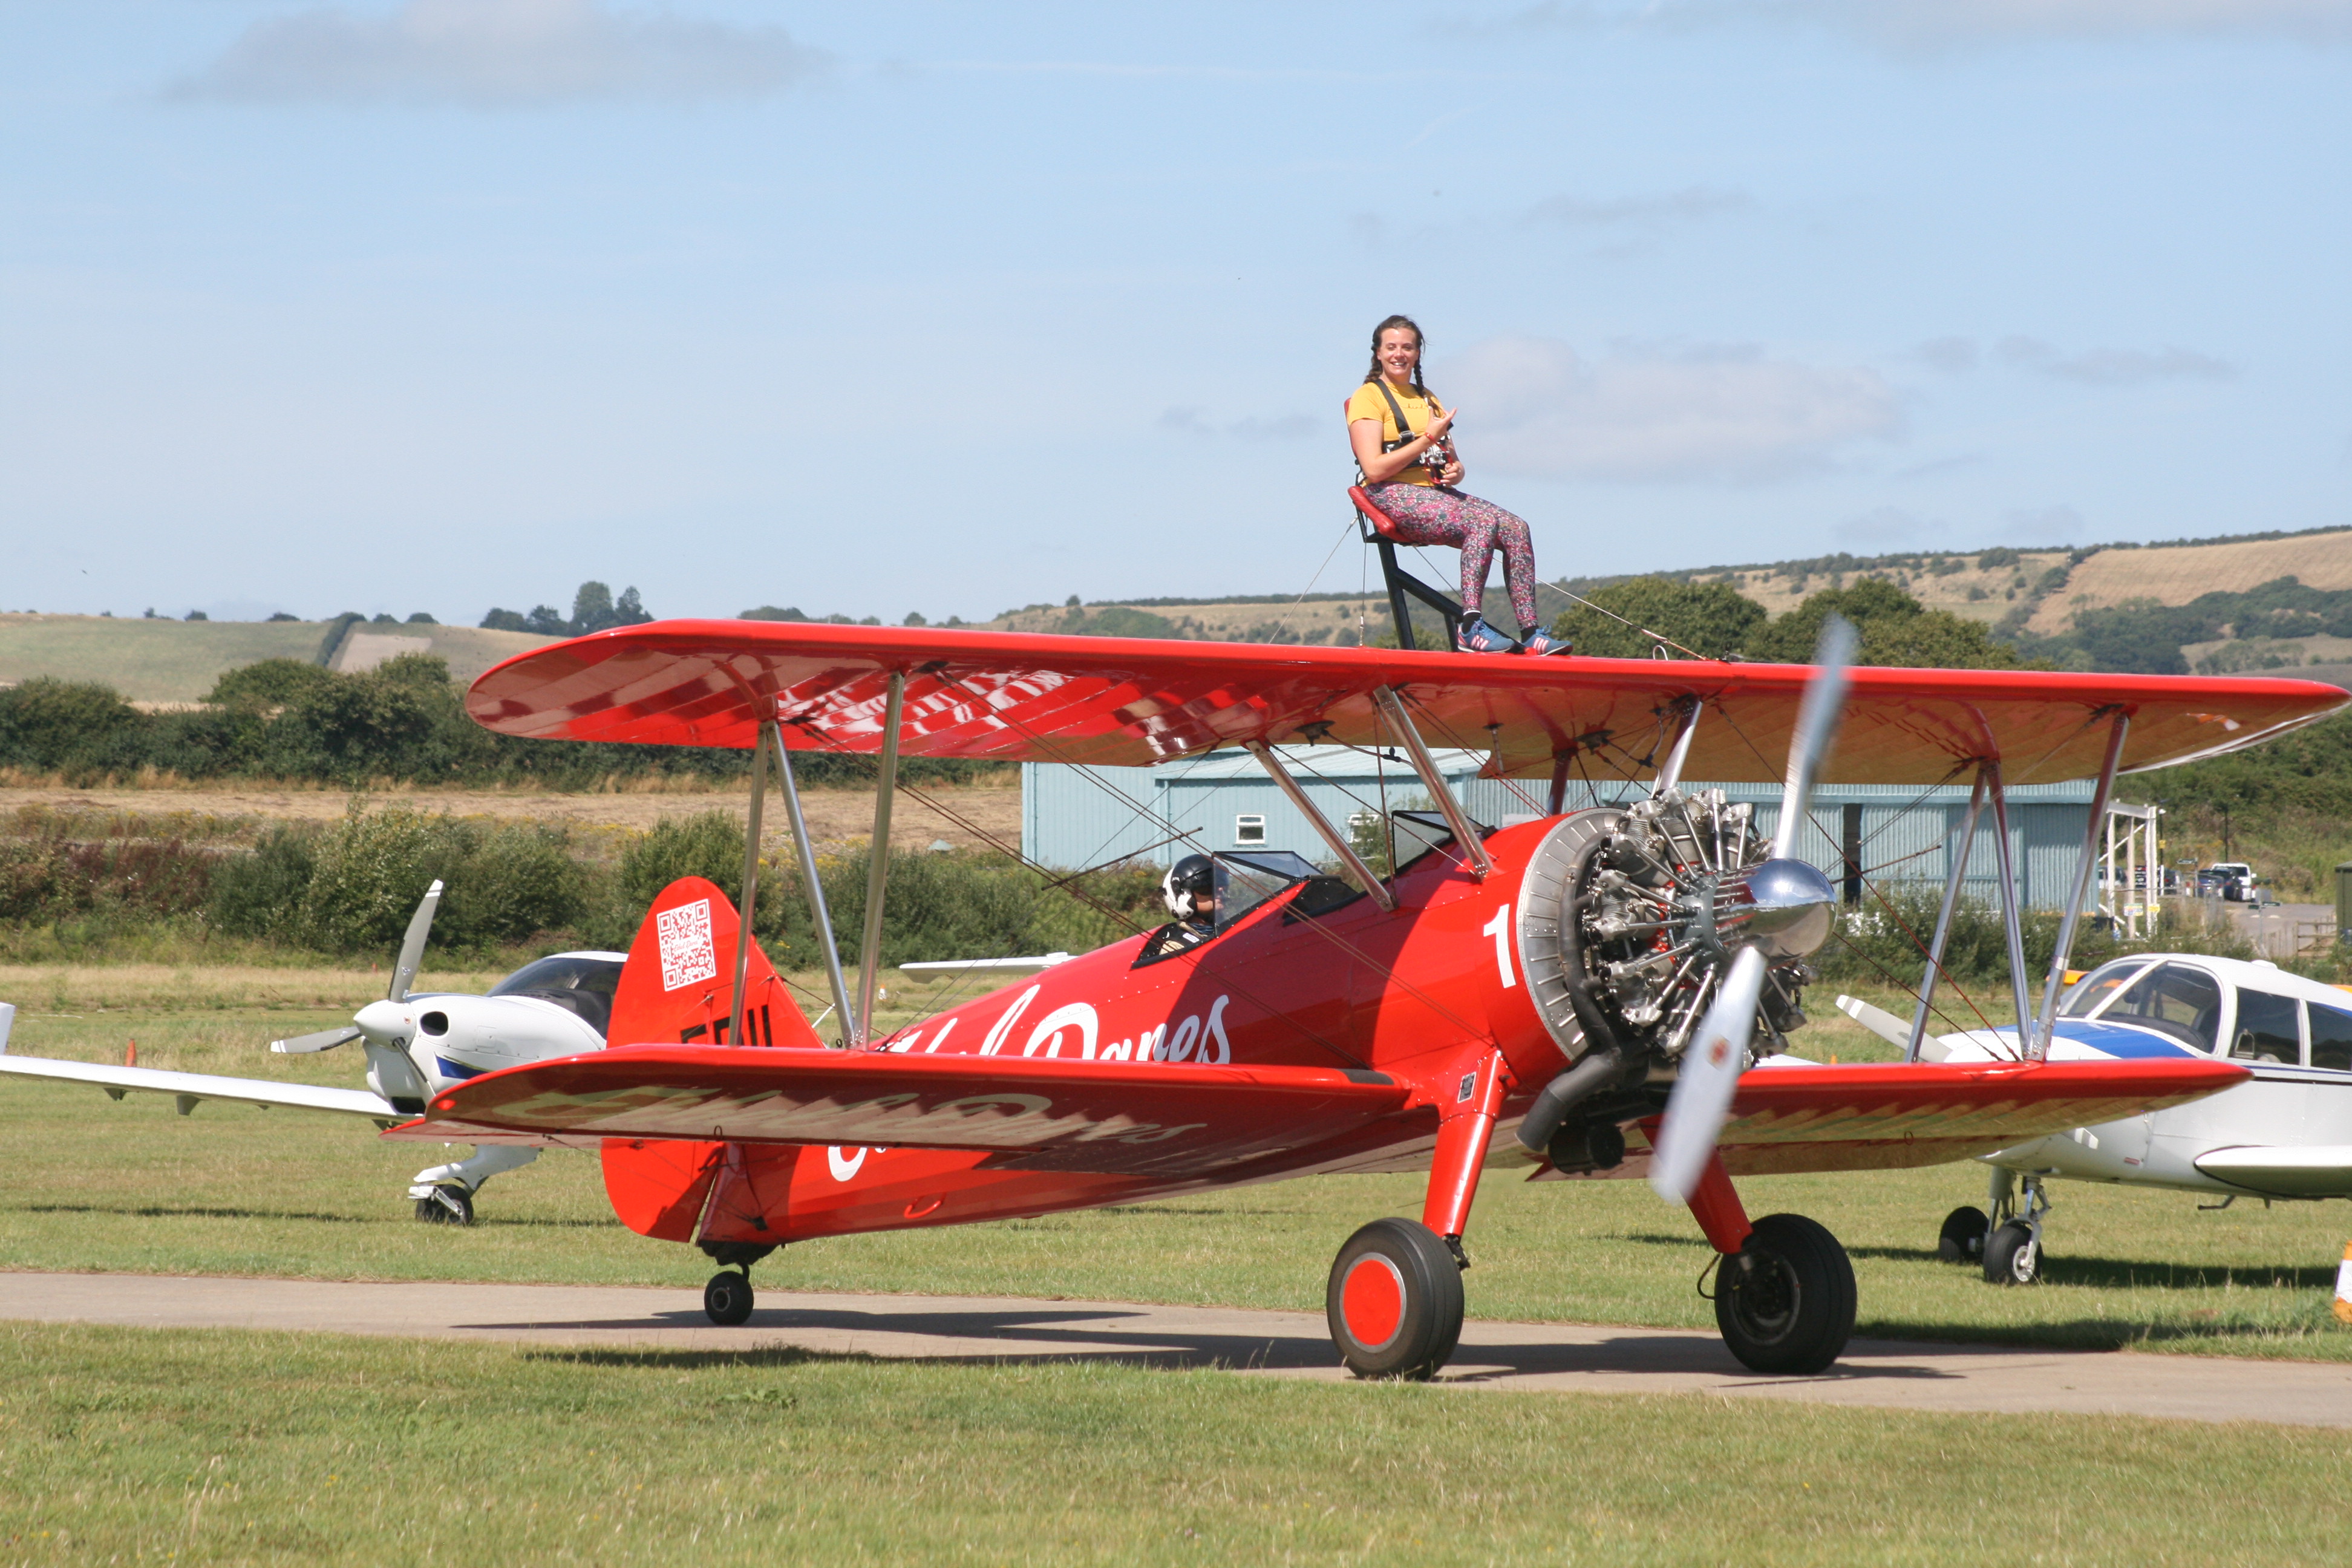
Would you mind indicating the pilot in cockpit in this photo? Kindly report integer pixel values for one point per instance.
(1190, 890)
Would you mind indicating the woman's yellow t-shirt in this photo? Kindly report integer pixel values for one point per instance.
(1366, 403)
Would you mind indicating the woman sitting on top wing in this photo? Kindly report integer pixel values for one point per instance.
(1405, 451)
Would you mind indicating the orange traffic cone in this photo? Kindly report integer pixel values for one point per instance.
(130, 1059)
(2344, 1287)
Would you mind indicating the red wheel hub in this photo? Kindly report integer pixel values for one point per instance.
(1372, 1302)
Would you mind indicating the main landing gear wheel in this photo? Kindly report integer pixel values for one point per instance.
(728, 1298)
(1785, 1302)
(2011, 1256)
(1395, 1301)
(448, 1205)
(1962, 1239)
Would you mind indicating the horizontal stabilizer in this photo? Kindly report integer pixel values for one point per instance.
(1886, 1027)
(1106, 1116)
(2312, 1171)
(197, 1086)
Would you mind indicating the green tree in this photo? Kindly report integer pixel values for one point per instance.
(1895, 628)
(1711, 619)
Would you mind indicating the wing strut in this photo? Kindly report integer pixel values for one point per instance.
(750, 889)
(1466, 834)
(877, 866)
(1357, 872)
(2011, 895)
(1944, 915)
(818, 916)
(2038, 1048)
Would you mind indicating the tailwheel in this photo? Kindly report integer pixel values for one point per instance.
(1785, 1302)
(728, 1298)
(448, 1203)
(1395, 1301)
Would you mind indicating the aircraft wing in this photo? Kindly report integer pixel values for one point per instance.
(1103, 1116)
(2312, 1171)
(1883, 1115)
(191, 1086)
(1127, 700)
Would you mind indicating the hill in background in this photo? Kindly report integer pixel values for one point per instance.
(167, 662)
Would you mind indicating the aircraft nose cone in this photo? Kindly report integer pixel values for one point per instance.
(1788, 909)
(385, 1023)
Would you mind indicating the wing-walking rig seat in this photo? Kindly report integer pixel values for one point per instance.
(1380, 531)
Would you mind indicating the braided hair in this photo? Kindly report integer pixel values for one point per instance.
(1410, 325)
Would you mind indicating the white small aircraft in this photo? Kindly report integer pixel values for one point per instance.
(2285, 1133)
(418, 1043)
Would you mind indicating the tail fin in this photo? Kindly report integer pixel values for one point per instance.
(679, 986)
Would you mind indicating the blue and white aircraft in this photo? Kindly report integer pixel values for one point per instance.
(2285, 1133)
(417, 1044)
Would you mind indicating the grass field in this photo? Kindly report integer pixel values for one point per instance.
(168, 660)
(231, 1190)
(228, 1447)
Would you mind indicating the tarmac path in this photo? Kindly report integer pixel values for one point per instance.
(1519, 1357)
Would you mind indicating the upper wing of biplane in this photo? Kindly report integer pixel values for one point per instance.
(1038, 698)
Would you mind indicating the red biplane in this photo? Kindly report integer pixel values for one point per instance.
(1577, 995)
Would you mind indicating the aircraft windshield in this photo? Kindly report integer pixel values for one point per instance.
(581, 983)
(1246, 879)
(2175, 1000)
(2096, 989)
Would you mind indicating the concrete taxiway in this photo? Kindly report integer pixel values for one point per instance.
(1517, 1357)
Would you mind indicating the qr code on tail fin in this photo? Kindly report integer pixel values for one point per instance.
(687, 955)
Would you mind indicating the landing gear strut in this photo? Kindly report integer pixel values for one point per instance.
(727, 1298)
(1785, 1300)
(2012, 1253)
(444, 1194)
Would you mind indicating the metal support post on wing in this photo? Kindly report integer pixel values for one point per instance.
(751, 886)
(818, 915)
(1466, 834)
(2117, 734)
(1672, 774)
(869, 948)
(2008, 914)
(1357, 872)
(1943, 916)
(1556, 802)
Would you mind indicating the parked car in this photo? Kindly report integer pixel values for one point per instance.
(2232, 879)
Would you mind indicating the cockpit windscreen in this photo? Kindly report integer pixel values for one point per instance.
(581, 982)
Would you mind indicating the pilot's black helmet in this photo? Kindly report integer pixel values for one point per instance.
(1189, 886)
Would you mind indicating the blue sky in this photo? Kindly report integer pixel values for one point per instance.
(437, 304)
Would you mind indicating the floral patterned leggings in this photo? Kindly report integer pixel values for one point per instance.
(1427, 514)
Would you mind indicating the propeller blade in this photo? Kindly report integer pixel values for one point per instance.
(1710, 1069)
(324, 1040)
(412, 946)
(1817, 725)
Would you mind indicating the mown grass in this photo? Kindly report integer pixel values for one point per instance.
(132, 1187)
(222, 1446)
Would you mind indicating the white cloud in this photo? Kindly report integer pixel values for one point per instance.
(2115, 367)
(1916, 24)
(1193, 421)
(1535, 406)
(500, 53)
(1639, 212)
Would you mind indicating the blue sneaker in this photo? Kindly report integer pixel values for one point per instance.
(1543, 646)
(1475, 635)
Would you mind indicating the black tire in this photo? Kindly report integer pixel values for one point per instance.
(448, 1206)
(1785, 1303)
(2011, 1257)
(1394, 1300)
(728, 1298)
(1962, 1238)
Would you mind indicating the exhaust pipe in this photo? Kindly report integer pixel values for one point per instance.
(1597, 1071)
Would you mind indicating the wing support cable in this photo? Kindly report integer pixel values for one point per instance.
(2038, 1046)
(1482, 865)
(877, 859)
(818, 915)
(1943, 916)
(1357, 872)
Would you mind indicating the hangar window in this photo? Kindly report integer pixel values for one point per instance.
(1249, 827)
(2266, 1030)
(2331, 1038)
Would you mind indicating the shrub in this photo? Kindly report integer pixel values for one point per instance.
(262, 894)
(272, 683)
(52, 725)
(512, 883)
